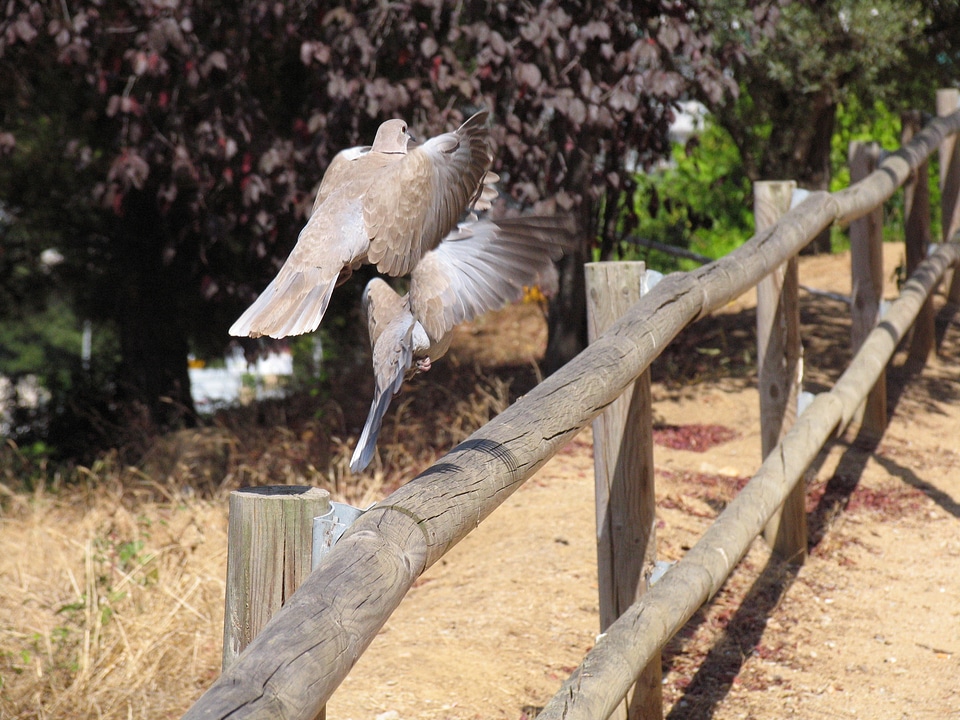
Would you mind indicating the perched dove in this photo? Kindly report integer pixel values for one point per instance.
(481, 266)
(386, 205)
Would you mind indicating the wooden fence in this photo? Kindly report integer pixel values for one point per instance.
(293, 667)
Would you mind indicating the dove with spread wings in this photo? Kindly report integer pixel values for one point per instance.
(480, 266)
(385, 205)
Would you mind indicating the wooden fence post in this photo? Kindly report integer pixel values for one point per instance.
(866, 264)
(779, 368)
(269, 548)
(623, 468)
(916, 202)
(948, 101)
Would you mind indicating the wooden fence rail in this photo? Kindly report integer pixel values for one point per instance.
(292, 668)
(609, 669)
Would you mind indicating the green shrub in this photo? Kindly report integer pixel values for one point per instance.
(700, 200)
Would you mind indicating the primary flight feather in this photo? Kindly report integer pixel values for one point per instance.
(480, 266)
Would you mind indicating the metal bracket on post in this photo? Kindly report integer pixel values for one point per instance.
(798, 196)
(650, 280)
(328, 528)
(660, 568)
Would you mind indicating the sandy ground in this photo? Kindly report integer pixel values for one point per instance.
(868, 628)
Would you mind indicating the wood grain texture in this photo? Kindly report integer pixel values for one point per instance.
(948, 100)
(916, 210)
(779, 368)
(866, 267)
(307, 649)
(626, 501)
(269, 551)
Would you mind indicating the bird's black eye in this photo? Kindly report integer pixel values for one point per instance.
(403, 129)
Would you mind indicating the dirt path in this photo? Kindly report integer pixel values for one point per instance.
(868, 628)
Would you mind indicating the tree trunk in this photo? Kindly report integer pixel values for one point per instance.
(803, 156)
(567, 320)
(153, 342)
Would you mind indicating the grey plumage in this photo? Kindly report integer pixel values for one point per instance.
(481, 266)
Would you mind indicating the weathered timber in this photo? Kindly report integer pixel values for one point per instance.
(307, 649)
(626, 501)
(779, 360)
(916, 210)
(866, 267)
(867, 366)
(948, 100)
(326, 625)
(608, 670)
(269, 551)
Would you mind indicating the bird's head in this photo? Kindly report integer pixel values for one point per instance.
(392, 137)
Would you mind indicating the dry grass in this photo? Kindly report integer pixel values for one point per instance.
(112, 577)
(111, 590)
(109, 605)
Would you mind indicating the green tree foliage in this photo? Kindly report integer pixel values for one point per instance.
(813, 78)
(170, 151)
(793, 78)
(702, 199)
(67, 413)
(876, 123)
(699, 201)
(935, 60)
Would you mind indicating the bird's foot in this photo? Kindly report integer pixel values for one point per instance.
(423, 364)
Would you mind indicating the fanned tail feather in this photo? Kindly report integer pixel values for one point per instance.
(293, 304)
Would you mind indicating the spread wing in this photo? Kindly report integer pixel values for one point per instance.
(483, 266)
(415, 202)
(338, 172)
(387, 208)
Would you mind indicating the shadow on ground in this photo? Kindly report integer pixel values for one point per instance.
(909, 391)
